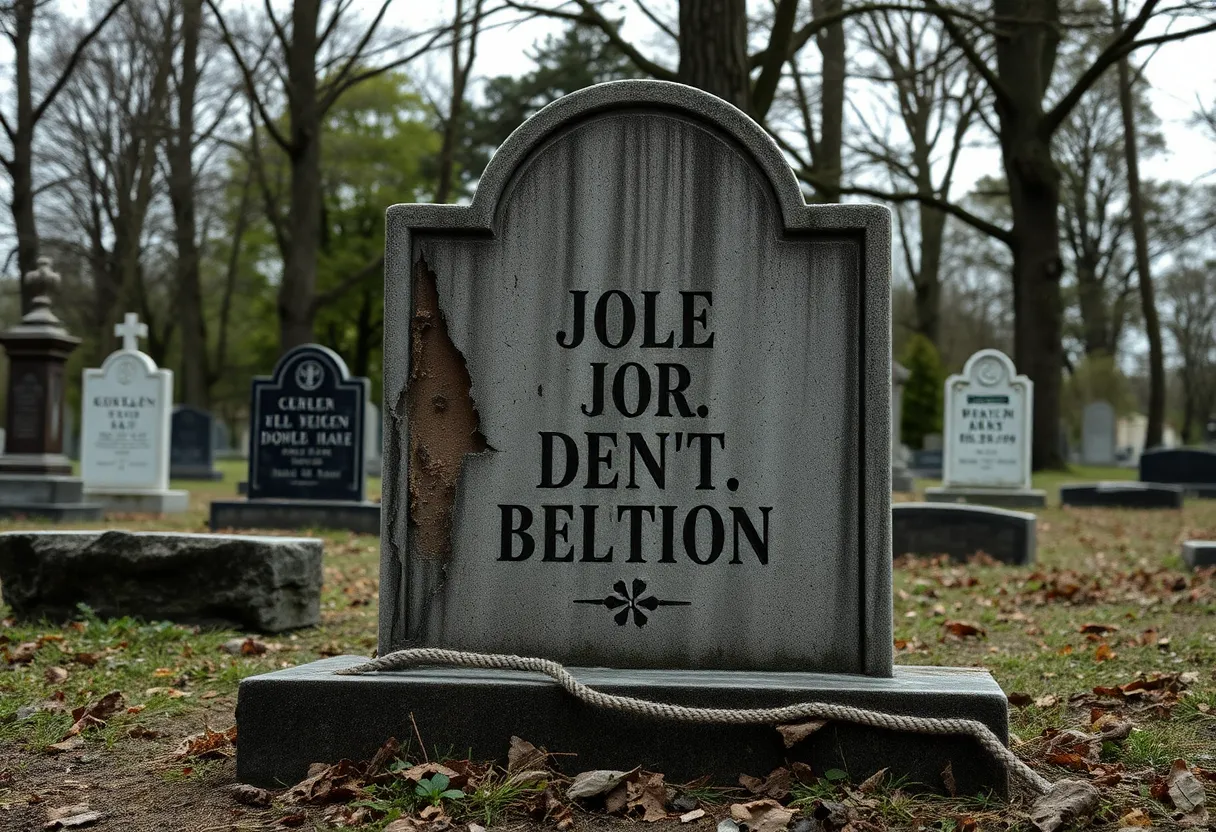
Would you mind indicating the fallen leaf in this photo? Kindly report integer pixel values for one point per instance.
(1019, 700)
(74, 821)
(141, 733)
(689, 817)
(248, 795)
(1068, 800)
(1048, 701)
(765, 815)
(1134, 818)
(873, 782)
(1111, 727)
(244, 647)
(1104, 653)
(22, 653)
(1186, 793)
(209, 743)
(87, 659)
(648, 793)
(61, 812)
(1099, 629)
(964, 629)
(297, 819)
(55, 675)
(796, 732)
(592, 783)
(70, 744)
(428, 770)
(948, 780)
(524, 756)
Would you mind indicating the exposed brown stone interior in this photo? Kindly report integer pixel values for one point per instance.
(443, 423)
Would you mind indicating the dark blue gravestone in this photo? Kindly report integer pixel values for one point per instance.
(306, 452)
(1192, 468)
(191, 450)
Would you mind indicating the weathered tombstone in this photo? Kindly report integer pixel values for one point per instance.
(1122, 495)
(372, 440)
(1192, 468)
(1199, 554)
(1098, 434)
(988, 434)
(638, 418)
(191, 452)
(306, 460)
(901, 477)
(962, 531)
(35, 476)
(124, 449)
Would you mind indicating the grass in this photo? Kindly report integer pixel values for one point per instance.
(1117, 572)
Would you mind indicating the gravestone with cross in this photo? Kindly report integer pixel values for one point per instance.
(988, 436)
(306, 460)
(35, 476)
(125, 428)
(637, 420)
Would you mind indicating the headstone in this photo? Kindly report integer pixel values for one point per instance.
(1122, 495)
(260, 583)
(932, 442)
(125, 434)
(1192, 468)
(901, 477)
(372, 439)
(1098, 434)
(1199, 554)
(988, 435)
(639, 419)
(927, 464)
(1209, 431)
(963, 531)
(191, 452)
(221, 439)
(35, 477)
(306, 464)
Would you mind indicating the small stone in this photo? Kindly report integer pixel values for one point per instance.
(684, 803)
(727, 825)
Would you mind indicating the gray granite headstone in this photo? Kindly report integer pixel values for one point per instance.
(901, 477)
(1098, 434)
(962, 531)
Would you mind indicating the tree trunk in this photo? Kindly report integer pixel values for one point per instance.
(195, 373)
(1091, 297)
(460, 81)
(1148, 303)
(927, 278)
(831, 104)
(713, 49)
(22, 167)
(299, 285)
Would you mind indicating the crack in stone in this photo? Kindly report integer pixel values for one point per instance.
(444, 426)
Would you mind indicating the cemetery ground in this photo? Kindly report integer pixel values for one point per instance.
(1106, 648)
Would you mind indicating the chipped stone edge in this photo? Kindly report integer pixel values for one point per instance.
(871, 222)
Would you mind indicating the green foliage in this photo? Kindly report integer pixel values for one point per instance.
(435, 789)
(922, 406)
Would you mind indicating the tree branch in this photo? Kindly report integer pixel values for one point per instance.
(778, 47)
(250, 85)
(346, 285)
(74, 58)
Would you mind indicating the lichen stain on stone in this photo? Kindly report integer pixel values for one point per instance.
(443, 421)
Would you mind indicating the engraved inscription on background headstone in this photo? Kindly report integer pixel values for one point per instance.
(27, 408)
(655, 490)
(988, 423)
(307, 424)
(1098, 434)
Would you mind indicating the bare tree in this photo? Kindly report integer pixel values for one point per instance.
(1190, 301)
(17, 21)
(463, 54)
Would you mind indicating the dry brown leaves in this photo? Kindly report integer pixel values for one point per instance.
(776, 785)
(207, 745)
(93, 715)
(637, 794)
(765, 815)
(963, 630)
(796, 732)
(1068, 800)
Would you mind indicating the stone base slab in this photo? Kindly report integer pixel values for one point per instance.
(54, 497)
(1122, 495)
(140, 502)
(1002, 497)
(291, 718)
(200, 472)
(54, 512)
(1198, 554)
(363, 518)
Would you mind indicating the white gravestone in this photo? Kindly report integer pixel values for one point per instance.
(127, 405)
(1098, 434)
(988, 435)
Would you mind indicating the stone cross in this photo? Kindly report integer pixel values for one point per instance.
(130, 331)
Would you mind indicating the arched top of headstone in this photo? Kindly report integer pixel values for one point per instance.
(314, 366)
(989, 368)
(662, 97)
(128, 361)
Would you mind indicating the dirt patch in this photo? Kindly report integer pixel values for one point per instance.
(443, 423)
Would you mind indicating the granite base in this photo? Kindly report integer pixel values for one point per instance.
(1122, 495)
(55, 498)
(1001, 497)
(292, 718)
(1198, 554)
(363, 518)
(140, 502)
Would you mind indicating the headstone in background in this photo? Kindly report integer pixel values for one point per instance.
(1199, 554)
(221, 439)
(1, 441)
(1192, 468)
(306, 465)
(126, 406)
(649, 433)
(927, 464)
(988, 435)
(901, 477)
(1209, 432)
(35, 477)
(373, 438)
(191, 453)
(1122, 495)
(963, 531)
(932, 442)
(1098, 434)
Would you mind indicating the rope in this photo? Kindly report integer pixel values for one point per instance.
(723, 716)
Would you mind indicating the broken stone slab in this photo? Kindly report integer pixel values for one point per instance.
(258, 583)
(961, 531)
(1122, 495)
(292, 718)
(1199, 553)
